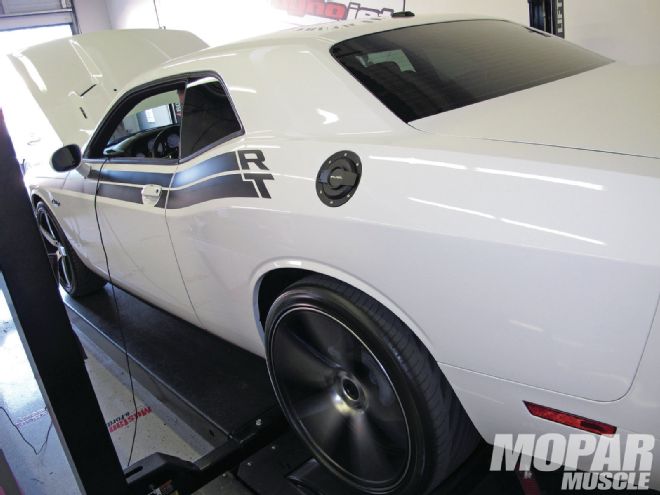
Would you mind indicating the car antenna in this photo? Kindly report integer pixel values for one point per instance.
(403, 13)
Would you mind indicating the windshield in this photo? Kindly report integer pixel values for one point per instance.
(427, 69)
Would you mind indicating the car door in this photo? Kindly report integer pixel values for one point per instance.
(218, 171)
(130, 164)
(73, 82)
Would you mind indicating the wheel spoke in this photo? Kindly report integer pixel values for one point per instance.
(49, 225)
(48, 237)
(300, 364)
(372, 456)
(64, 270)
(384, 412)
(377, 386)
(324, 423)
(389, 426)
(328, 337)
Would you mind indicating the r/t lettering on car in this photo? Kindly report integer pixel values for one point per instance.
(249, 160)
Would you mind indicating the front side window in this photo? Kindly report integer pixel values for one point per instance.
(150, 129)
(208, 116)
(424, 70)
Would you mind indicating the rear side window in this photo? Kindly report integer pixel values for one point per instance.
(208, 116)
(424, 70)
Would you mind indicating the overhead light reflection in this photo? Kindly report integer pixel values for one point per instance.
(509, 221)
(197, 59)
(296, 177)
(545, 178)
(330, 118)
(453, 208)
(32, 72)
(419, 161)
(363, 132)
(526, 326)
(202, 81)
(86, 60)
(553, 231)
(240, 89)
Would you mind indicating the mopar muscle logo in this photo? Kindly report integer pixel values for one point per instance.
(617, 462)
(340, 11)
(242, 174)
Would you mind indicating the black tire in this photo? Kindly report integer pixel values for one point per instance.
(72, 274)
(341, 365)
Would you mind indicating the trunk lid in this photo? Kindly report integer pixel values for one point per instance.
(615, 109)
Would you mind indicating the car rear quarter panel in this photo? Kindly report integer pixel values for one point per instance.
(508, 260)
(533, 264)
(526, 268)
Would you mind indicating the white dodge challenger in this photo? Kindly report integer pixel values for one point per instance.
(434, 229)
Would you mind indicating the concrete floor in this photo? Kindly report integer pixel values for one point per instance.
(158, 430)
(21, 398)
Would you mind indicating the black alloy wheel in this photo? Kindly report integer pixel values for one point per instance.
(362, 391)
(71, 273)
(56, 249)
(344, 399)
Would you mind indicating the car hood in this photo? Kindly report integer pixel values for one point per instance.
(74, 80)
(615, 108)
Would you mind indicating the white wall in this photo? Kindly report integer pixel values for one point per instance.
(215, 21)
(626, 30)
(137, 13)
(514, 10)
(92, 15)
(224, 21)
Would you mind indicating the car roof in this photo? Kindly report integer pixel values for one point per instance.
(255, 63)
(336, 31)
(315, 35)
(329, 33)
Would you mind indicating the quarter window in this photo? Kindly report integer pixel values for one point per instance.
(208, 116)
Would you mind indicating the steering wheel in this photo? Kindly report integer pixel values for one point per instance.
(162, 147)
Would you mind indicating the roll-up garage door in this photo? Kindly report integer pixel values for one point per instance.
(24, 14)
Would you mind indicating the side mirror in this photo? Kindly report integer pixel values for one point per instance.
(66, 158)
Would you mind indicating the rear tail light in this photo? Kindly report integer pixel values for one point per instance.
(568, 419)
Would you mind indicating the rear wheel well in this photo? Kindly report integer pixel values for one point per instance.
(273, 284)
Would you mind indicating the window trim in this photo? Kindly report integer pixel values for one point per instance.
(126, 102)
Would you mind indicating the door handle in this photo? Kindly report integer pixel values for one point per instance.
(151, 194)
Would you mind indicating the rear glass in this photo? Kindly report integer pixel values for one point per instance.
(424, 70)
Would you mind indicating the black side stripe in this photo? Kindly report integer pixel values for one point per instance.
(122, 193)
(247, 184)
(132, 177)
(129, 194)
(223, 163)
(216, 165)
(227, 186)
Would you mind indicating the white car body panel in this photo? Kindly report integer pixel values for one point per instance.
(140, 253)
(527, 264)
(622, 96)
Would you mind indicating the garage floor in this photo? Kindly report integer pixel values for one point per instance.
(158, 430)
